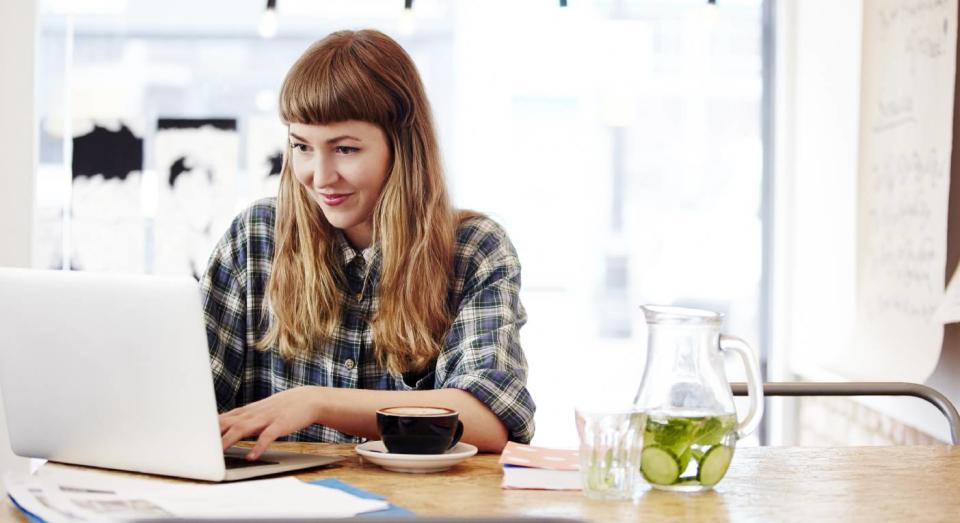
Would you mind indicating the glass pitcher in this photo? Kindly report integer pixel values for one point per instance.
(691, 426)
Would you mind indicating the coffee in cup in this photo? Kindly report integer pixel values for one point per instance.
(419, 430)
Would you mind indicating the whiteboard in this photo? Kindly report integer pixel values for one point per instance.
(906, 117)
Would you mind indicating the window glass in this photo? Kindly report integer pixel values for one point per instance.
(618, 142)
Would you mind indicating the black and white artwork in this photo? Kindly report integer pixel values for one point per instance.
(196, 163)
(266, 142)
(47, 248)
(106, 227)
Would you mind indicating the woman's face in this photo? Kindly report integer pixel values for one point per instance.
(343, 166)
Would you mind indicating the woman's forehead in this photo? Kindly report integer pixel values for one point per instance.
(351, 129)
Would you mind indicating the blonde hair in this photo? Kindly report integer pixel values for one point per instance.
(367, 76)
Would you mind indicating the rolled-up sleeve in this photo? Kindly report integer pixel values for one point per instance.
(224, 306)
(482, 353)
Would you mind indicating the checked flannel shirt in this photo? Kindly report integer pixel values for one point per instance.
(481, 353)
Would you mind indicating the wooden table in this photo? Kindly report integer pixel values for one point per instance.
(764, 484)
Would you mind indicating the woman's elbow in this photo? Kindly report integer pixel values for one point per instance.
(494, 441)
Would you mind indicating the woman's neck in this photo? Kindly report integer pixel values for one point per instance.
(359, 236)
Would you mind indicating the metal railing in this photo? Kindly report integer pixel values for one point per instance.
(862, 388)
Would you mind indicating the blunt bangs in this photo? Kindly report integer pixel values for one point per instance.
(334, 81)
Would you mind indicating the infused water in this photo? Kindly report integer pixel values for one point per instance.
(687, 453)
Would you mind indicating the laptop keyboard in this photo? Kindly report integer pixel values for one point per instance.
(239, 463)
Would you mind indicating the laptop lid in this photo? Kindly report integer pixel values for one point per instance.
(110, 371)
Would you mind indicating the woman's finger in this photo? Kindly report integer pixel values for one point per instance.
(226, 421)
(239, 431)
(228, 418)
(267, 436)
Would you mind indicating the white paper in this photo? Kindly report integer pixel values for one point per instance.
(949, 309)
(909, 62)
(64, 494)
(540, 479)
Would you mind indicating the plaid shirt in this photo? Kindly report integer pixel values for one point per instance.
(481, 353)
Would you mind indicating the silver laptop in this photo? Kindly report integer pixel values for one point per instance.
(113, 371)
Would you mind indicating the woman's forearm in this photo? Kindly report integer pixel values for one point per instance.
(353, 411)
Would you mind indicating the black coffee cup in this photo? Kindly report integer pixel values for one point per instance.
(419, 430)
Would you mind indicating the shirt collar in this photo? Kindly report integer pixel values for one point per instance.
(350, 254)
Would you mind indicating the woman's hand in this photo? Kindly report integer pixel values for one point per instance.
(271, 418)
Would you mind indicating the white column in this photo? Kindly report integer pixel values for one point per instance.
(18, 35)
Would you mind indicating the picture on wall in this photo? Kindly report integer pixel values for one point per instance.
(266, 141)
(196, 164)
(106, 224)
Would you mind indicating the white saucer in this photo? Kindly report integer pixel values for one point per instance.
(376, 453)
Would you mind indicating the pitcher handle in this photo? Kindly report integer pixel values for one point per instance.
(754, 384)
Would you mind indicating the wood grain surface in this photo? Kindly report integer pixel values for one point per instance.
(764, 484)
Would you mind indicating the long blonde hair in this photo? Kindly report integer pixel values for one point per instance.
(367, 76)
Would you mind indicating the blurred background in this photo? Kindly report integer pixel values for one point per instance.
(619, 143)
(690, 152)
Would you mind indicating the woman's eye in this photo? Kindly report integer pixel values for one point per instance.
(343, 149)
(302, 147)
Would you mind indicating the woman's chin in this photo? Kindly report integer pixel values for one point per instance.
(340, 220)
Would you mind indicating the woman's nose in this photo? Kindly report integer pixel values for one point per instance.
(324, 172)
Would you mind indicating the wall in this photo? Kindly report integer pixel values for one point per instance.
(821, 169)
(17, 154)
(816, 143)
(839, 422)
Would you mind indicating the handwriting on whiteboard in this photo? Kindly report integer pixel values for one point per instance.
(907, 104)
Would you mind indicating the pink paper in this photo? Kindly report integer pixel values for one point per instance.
(539, 457)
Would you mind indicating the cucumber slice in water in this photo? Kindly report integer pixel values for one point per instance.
(659, 465)
(714, 464)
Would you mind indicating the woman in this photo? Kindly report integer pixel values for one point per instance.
(359, 287)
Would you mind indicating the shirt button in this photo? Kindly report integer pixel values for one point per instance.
(359, 296)
(349, 364)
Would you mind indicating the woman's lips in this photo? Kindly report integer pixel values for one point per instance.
(334, 199)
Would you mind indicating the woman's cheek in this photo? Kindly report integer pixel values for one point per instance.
(300, 172)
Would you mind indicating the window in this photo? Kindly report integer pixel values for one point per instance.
(619, 143)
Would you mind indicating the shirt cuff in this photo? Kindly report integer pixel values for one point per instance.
(505, 395)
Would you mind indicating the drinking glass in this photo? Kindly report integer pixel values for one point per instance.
(610, 447)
